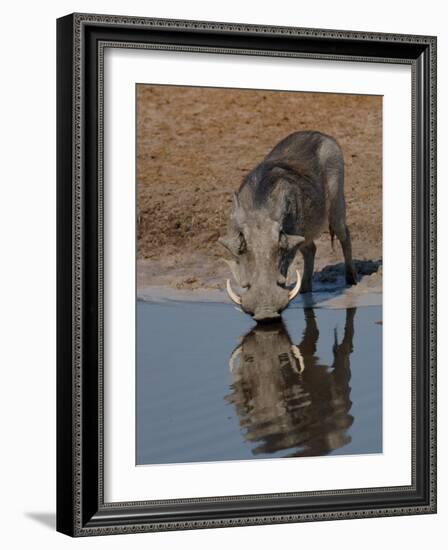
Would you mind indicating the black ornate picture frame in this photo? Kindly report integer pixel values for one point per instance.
(81, 508)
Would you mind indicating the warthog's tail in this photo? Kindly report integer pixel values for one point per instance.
(332, 236)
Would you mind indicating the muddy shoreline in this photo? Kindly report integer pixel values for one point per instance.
(329, 289)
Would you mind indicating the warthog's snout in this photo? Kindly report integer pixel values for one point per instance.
(265, 303)
(265, 316)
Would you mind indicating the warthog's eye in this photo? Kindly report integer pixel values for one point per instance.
(242, 244)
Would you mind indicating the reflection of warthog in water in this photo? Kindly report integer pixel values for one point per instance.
(284, 398)
(282, 206)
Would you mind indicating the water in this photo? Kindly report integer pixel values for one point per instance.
(211, 385)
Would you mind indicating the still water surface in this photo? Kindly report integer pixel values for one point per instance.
(211, 385)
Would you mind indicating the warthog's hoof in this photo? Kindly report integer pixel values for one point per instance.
(351, 277)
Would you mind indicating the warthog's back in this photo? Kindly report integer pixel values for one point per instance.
(305, 173)
(306, 151)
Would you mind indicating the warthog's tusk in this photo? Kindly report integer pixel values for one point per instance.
(296, 352)
(232, 295)
(293, 293)
(235, 353)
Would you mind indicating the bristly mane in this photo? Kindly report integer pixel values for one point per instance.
(263, 179)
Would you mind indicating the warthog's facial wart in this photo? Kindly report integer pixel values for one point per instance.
(261, 255)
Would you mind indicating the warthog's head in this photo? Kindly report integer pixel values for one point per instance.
(261, 253)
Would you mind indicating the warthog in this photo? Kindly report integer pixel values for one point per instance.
(282, 206)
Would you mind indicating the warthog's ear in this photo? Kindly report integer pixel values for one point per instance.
(226, 242)
(293, 240)
(238, 215)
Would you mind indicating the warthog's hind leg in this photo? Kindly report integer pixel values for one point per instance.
(308, 253)
(343, 235)
(338, 227)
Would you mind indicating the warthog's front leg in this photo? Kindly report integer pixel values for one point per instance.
(308, 253)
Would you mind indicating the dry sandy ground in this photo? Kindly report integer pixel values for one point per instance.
(194, 146)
